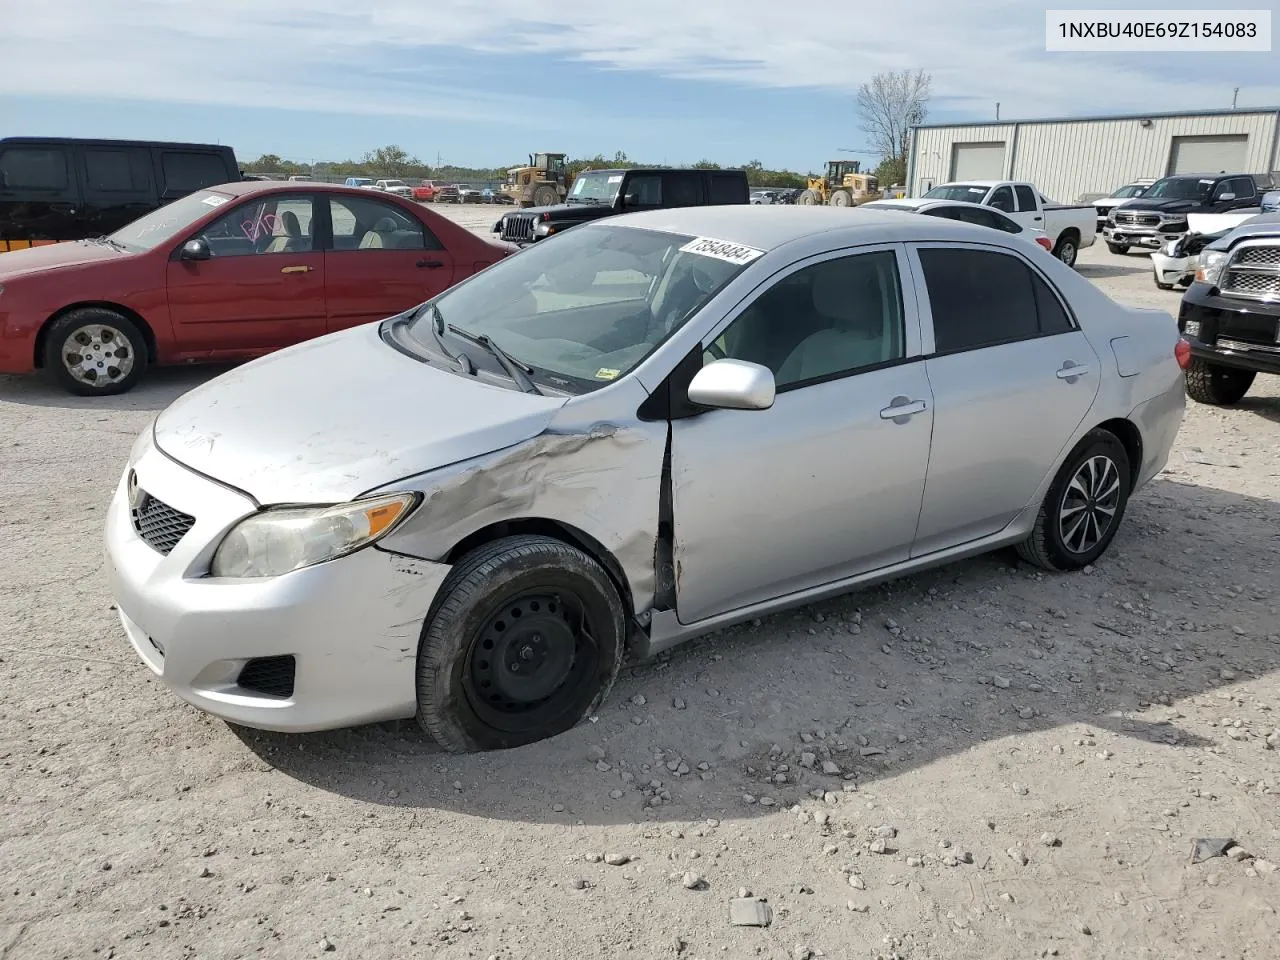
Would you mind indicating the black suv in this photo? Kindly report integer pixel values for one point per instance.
(604, 193)
(1160, 214)
(58, 188)
(1230, 315)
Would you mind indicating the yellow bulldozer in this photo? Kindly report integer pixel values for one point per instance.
(843, 186)
(540, 184)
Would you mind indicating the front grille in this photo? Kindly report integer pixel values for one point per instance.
(158, 524)
(1257, 256)
(272, 676)
(1151, 220)
(1251, 285)
(517, 227)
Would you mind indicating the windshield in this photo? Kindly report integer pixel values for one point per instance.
(1179, 188)
(970, 192)
(394, 183)
(148, 232)
(584, 308)
(1132, 190)
(599, 187)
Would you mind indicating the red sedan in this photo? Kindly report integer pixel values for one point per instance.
(227, 273)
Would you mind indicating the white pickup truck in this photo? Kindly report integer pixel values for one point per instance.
(1069, 226)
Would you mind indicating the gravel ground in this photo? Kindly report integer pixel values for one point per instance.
(981, 761)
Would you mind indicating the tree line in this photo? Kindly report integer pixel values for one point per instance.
(888, 106)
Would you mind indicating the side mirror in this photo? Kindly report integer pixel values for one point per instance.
(620, 202)
(197, 249)
(1224, 197)
(733, 385)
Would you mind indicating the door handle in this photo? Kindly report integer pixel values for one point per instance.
(430, 264)
(1037, 218)
(1070, 371)
(299, 269)
(902, 408)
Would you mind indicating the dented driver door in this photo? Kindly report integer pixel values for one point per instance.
(828, 482)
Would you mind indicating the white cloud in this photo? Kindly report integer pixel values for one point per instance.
(315, 54)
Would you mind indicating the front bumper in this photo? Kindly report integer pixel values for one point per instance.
(1176, 271)
(1138, 237)
(1244, 334)
(351, 625)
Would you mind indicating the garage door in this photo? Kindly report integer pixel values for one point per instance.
(1224, 154)
(977, 161)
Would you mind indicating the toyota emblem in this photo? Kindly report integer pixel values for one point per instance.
(136, 495)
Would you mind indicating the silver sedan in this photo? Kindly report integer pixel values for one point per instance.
(641, 430)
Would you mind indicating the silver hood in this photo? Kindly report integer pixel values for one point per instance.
(329, 419)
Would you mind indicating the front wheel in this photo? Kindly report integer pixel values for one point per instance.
(523, 642)
(94, 352)
(545, 196)
(1084, 506)
(1215, 385)
(807, 198)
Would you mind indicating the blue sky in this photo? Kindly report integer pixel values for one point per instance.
(480, 82)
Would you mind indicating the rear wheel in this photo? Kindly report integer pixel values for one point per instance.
(524, 641)
(807, 198)
(1120, 248)
(94, 352)
(1083, 508)
(1216, 385)
(1067, 250)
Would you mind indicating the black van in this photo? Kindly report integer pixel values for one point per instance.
(60, 188)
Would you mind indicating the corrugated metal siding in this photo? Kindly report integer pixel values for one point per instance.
(933, 150)
(1068, 159)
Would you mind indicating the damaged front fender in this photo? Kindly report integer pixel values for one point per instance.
(602, 478)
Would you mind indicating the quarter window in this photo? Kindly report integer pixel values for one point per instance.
(826, 320)
(188, 172)
(980, 298)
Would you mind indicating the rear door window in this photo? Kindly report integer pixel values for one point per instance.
(116, 173)
(185, 172)
(39, 170)
(1026, 197)
(682, 189)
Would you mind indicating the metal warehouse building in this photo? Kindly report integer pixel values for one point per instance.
(1083, 158)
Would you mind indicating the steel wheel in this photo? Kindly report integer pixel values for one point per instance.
(1089, 504)
(529, 660)
(97, 355)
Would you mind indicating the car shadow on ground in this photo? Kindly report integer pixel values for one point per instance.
(1266, 407)
(1099, 271)
(877, 683)
(157, 389)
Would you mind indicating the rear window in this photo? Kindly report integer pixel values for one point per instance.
(34, 168)
(186, 172)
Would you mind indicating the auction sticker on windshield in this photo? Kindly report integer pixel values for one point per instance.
(214, 201)
(722, 250)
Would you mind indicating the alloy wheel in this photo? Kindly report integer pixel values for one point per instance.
(1089, 504)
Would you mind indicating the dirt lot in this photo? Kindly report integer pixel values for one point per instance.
(1033, 755)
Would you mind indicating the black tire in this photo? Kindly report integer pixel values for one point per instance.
(1055, 542)
(466, 699)
(840, 197)
(1068, 249)
(1215, 385)
(807, 198)
(117, 357)
(545, 196)
(1120, 248)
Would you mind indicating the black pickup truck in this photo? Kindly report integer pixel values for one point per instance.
(1160, 214)
(1230, 315)
(605, 193)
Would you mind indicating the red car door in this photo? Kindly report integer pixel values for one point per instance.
(383, 260)
(261, 287)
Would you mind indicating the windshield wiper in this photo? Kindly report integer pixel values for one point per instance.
(109, 242)
(516, 370)
(437, 330)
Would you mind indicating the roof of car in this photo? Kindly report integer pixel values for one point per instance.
(243, 188)
(769, 226)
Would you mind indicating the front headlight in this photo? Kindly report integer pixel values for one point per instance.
(277, 541)
(1209, 266)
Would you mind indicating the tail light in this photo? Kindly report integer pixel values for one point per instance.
(1046, 243)
(1182, 353)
